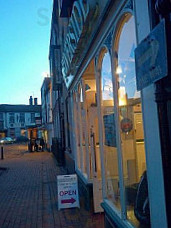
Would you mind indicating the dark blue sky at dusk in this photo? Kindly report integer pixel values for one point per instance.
(24, 48)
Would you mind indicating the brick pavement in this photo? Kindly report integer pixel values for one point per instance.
(28, 195)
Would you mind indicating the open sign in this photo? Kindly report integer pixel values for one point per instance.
(67, 191)
(70, 192)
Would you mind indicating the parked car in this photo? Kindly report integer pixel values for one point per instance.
(6, 140)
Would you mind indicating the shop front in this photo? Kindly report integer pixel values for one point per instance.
(114, 128)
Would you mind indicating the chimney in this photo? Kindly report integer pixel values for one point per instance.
(31, 101)
(35, 101)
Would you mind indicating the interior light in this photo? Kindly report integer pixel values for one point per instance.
(119, 70)
(81, 95)
(122, 96)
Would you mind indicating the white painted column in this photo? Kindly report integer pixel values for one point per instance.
(151, 131)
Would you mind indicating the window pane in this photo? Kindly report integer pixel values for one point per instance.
(22, 117)
(93, 128)
(11, 118)
(131, 124)
(83, 129)
(109, 132)
(32, 117)
(1, 115)
(77, 130)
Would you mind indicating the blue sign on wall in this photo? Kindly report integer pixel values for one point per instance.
(151, 57)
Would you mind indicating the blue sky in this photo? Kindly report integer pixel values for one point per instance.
(24, 48)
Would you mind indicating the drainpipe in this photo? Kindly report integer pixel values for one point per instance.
(162, 9)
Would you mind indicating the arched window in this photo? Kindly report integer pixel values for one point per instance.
(109, 145)
(130, 113)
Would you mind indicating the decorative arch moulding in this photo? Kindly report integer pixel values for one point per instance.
(84, 15)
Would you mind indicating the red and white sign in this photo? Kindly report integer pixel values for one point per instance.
(67, 191)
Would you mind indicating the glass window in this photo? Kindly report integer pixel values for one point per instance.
(68, 125)
(22, 117)
(131, 125)
(32, 117)
(1, 125)
(109, 131)
(1, 115)
(92, 125)
(77, 129)
(83, 130)
(11, 118)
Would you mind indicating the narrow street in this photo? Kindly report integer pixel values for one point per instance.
(28, 193)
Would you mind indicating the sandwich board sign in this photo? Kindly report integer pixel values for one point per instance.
(67, 186)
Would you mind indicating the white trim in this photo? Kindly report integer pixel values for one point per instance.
(118, 136)
(87, 159)
(151, 132)
(75, 133)
(118, 215)
(80, 131)
(97, 76)
(107, 27)
(83, 178)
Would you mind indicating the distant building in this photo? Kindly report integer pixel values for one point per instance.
(47, 130)
(17, 120)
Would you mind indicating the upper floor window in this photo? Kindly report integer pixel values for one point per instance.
(37, 114)
(1, 124)
(32, 117)
(11, 118)
(1, 115)
(22, 117)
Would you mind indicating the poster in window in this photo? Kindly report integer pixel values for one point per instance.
(110, 130)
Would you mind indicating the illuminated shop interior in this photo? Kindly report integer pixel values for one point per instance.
(108, 123)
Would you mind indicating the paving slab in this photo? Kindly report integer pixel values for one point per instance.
(28, 194)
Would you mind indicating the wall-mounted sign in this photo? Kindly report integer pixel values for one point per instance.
(67, 191)
(151, 57)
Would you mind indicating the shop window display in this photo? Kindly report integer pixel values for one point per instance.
(109, 131)
(92, 125)
(130, 117)
(83, 131)
(80, 128)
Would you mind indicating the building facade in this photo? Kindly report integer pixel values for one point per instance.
(117, 125)
(17, 120)
(47, 130)
(58, 32)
